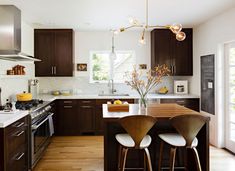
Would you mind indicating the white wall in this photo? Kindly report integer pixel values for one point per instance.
(86, 41)
(209, 38)
(12, 86)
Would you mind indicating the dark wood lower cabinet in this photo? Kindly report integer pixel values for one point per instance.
(85, 117)
(67, 118)
(193, 103)
(80, 117)
(14, 146)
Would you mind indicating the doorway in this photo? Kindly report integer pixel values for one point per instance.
(230, 96)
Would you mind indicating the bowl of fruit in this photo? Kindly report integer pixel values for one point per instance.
(118, 106)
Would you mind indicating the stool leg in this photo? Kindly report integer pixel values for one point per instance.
(172, 158)
(197, 159)
(145, 161)
(160, 156)
(125, 150)
(149, 159)
(119, 157)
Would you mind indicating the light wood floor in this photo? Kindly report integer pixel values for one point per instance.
(85, 153)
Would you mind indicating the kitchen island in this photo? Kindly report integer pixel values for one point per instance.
(135, 158)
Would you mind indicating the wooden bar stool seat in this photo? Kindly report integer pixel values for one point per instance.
(187, 127)
(137, 127)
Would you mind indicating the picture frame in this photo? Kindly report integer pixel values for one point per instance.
(181, 86)
(82, 67)
(142, 66)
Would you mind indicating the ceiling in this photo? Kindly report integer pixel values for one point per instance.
(111, 14)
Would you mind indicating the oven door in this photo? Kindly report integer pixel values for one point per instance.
(42, 130)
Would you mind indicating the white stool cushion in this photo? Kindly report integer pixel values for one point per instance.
(176, 140)
(126, 141)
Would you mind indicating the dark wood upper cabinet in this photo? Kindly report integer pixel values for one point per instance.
(55, 48)
(177, 55)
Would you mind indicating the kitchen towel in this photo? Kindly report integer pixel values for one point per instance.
(51, 125)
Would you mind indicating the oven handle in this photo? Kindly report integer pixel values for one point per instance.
(34, 127)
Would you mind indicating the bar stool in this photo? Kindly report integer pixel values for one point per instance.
(137, 127)
(187, 127)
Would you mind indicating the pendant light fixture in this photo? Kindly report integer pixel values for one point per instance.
(113, 54)
(112, 57)
(134, 23)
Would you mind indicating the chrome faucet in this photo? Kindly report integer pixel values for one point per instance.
(111, 87)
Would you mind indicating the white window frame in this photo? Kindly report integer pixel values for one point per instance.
(107, 52)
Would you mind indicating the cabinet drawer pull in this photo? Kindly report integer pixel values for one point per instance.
(19, 125)
(180, 101)
(86, 106)
(68, 102)
(18, 134)
(67, 107)
(19, 156)
(87, 101)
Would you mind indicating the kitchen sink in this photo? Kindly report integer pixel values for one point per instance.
(121, 94)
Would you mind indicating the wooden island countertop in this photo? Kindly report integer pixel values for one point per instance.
(163, 112)
(160, 111)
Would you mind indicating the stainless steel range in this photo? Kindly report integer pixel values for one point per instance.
(42, 127)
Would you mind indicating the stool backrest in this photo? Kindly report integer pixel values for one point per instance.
(188, 126)
(137, 126)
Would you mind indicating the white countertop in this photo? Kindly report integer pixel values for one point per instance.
(47, 97)
(7, 119)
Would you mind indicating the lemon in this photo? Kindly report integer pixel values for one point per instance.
(117, 102)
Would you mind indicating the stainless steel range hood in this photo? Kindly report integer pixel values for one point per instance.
(10, 35)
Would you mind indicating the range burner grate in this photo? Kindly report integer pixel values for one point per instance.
(28, 104)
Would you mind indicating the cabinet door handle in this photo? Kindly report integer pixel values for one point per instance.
(172, 71)
(18, 134)
(19, 125)
(19, 156)
(68, 107)
(52, 71)
(55, 70)
(68, 102)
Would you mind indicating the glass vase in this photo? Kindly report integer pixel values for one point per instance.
(143, 105)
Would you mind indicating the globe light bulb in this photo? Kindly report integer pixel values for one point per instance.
(142, 41)
(176, 28)
(180, 36)
(116, 32)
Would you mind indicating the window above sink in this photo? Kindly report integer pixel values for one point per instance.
(102, 66)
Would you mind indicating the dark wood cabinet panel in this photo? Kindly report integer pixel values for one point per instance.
(63, 53)
(14, 146)
(67, 118)
(182, 55)
(87, 119)
(192, 103)
(161, 48)
(55, 48)
(43, 45)
(177, 55)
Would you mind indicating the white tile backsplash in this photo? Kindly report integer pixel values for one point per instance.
(81, 85)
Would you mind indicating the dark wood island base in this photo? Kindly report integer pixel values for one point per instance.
(135, 158)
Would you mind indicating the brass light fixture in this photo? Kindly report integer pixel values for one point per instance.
(134, 23)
